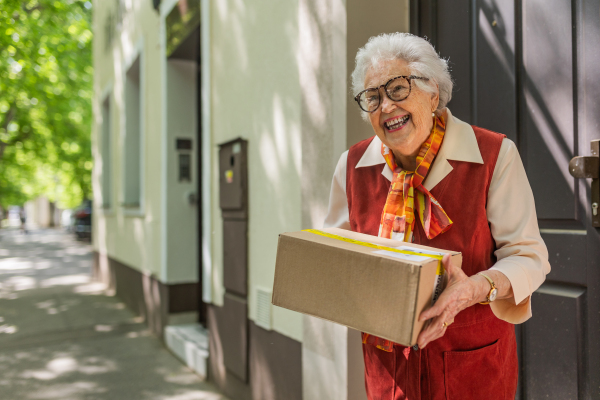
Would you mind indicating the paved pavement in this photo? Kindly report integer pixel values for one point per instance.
(62, 337)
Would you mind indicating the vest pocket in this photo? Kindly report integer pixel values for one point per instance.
(475, 374)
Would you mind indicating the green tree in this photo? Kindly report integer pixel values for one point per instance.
(45, 100)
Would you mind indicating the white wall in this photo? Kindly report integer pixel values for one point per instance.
(322, 65)
(129, 236)
(331, 32)
(256, 95)
(279, 78)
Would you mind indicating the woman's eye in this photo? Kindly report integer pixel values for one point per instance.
(372, 99)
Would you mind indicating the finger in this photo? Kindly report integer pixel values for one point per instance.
(450, 268)
(440, 305)
(435, 330)
(446, 261)
(436, 326)
(431, 331)
(423, 338)
(433, 311)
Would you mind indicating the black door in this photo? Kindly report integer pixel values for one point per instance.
(531, 69)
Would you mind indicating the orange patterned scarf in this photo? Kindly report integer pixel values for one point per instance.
(398, 217)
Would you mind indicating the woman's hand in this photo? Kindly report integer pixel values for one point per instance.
(460, 293)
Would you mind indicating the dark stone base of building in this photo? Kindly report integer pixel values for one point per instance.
(273, 365)
(246, 361)
(144, 294)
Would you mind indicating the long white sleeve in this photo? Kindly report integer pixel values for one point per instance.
(521, 253)
(337, 214)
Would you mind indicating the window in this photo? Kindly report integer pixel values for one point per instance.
(132, 147)
(106, 154)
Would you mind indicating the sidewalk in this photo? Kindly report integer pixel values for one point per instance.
(62, 338)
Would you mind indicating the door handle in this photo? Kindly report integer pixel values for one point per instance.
(589, 167)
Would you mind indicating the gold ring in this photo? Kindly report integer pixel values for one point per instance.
(446, 324)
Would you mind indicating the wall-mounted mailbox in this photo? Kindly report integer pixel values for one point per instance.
(233, 177)
(233, 201)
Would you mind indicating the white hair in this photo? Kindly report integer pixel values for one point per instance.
(420, 55)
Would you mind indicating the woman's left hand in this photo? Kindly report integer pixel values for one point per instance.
(460, 293)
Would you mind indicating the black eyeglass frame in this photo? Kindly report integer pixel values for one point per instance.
(408, 78)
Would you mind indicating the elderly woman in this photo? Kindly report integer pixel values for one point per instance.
(427, 177)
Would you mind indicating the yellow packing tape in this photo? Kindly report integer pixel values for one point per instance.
(440, 268)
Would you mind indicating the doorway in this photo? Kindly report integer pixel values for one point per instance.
(184, 143)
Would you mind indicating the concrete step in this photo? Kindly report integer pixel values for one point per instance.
(189, 342)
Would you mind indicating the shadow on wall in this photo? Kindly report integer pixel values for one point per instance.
(321, 59)
(267, 110)
(256, 95)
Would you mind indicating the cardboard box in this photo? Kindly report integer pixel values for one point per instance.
(361, 281)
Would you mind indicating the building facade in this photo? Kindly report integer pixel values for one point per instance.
(193, 94)
(173, 82)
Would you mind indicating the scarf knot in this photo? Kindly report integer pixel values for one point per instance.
(407, 194)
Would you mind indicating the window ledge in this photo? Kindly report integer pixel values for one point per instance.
(133, 212)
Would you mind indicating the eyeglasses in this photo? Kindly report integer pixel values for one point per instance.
(396, 89)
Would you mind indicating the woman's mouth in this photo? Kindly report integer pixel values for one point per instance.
(396, 123)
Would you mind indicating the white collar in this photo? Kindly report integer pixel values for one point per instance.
(459, 144)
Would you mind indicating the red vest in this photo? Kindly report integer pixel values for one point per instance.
(476, 358)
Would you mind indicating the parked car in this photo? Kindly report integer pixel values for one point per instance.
(82, 220)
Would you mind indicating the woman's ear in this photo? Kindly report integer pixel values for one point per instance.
(435, 98)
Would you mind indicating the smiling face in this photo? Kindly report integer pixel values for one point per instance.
(404, 125)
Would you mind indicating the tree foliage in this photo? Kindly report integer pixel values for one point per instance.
(45, 100)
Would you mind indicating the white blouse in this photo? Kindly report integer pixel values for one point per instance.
(521, 253)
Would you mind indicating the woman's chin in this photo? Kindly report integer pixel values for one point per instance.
(398, 138)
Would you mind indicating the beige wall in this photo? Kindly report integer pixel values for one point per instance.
(256, 95)
(161, 238)
(129, 236)
(322, 64)
(331, 32)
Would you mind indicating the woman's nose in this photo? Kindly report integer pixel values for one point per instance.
(387, 105)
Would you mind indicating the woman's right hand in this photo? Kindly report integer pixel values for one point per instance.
(460, 293)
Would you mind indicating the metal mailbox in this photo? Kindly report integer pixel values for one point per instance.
(233, 177)
(233, 201)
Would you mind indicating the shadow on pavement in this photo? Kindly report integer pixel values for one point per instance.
(62, 337)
